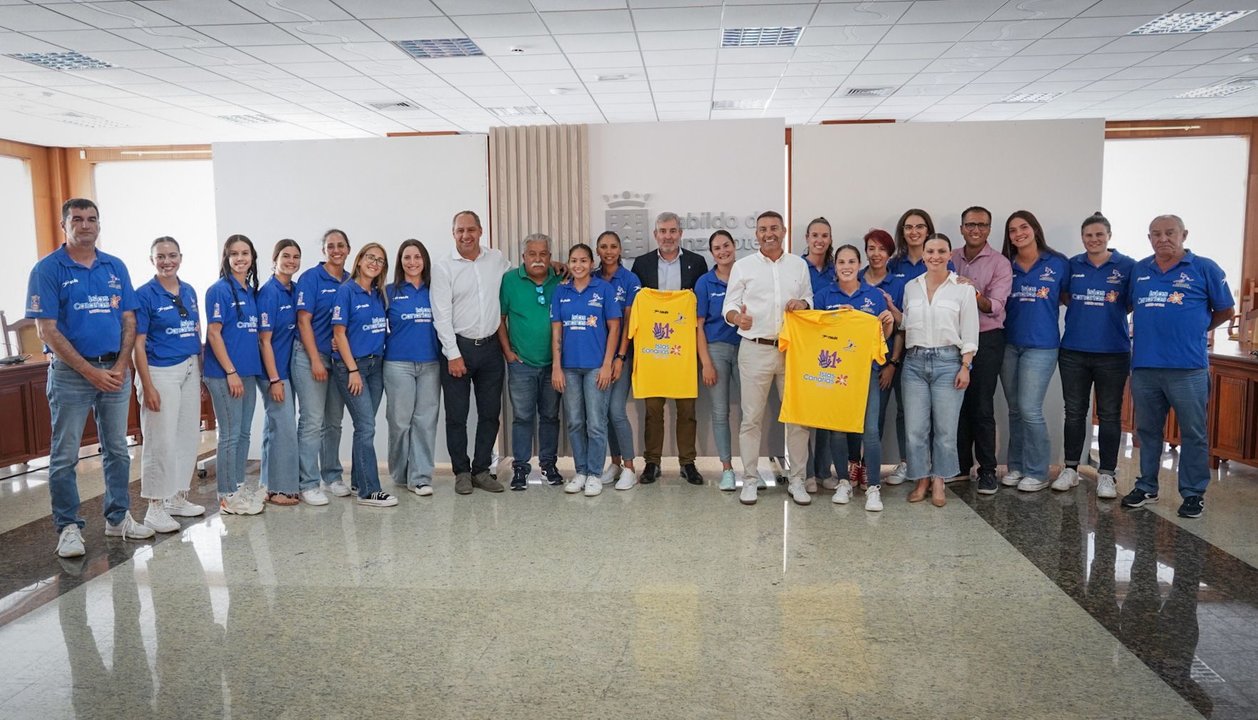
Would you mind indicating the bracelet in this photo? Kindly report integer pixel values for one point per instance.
(276, 382)
(230, 372)
(353, 371)
(618, 356)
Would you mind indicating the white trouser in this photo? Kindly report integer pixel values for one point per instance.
(759, 367)
(171, 435)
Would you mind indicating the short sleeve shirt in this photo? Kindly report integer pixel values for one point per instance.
(1096, 312)
(170, 323)
(583, 316)
(316, 293)
(412, 336)
(87, 302)
(235, 307)
(1034, 307)
(710, 293)
(277, 314)
(362, 314)
(1171, 311)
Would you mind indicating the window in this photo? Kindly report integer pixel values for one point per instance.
(17, 228)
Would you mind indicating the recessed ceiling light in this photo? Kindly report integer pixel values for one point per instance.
(1220, 90)
(88, 121)
(1248, 58)
(869, 91)
(516, 110)
(1030, 97)
(440, 48)
(248, 119)
(69, 60)
(1192, 22)
(738, 104)
(611, 77)
(394, 105)
(760, 36)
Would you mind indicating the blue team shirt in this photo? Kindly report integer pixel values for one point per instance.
(277, 314)
(890, 284)
(170, 337)
(362, 313)
(710, 290)
(87, 303)
(316, 293)
(412, 336)
(625, 286)
(819, 278)
(237, 312)
(867, 299)
(1171, 311)
(583, 316)
(1096, 312)
(1033, 308)
(905, 270)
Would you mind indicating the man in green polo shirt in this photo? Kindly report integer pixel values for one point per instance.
(525, 338)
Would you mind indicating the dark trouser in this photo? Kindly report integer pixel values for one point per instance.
(976, 433)
(485, 370)
(1079, 372)
(654, 440)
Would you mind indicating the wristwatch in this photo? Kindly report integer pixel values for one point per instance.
(618, 356)
(968, 365)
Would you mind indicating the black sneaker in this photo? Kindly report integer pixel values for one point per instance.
(1193, 507)
(520, 477)
(650, 474)
(552, 475)
(1139, 498)
(987, 482)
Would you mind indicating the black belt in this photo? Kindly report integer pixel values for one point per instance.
(106, 358)
(477, 342)
(763, 341)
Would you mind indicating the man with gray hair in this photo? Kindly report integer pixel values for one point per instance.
(524, 334)
(671, 267)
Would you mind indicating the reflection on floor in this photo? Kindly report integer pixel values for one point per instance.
(662, 601)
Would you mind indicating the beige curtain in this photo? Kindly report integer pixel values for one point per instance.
(539, 181)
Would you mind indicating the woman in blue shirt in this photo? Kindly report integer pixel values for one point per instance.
(849, 291)
(319, 406)
(359, 326)
(412, 371)
(879, 251)
(1095, 351)
(277, 329)
(233, 364)
(168, 367)
(585, 322)
(820, 259)
(620, 433)
(720, 367)
(1031, 340)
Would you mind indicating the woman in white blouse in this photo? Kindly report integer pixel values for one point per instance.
(941, 334)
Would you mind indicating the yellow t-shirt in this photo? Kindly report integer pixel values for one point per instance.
(665, 358)
(829, 357)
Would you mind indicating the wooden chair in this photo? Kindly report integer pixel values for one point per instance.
(21, 337)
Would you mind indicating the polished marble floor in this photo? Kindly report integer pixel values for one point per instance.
(662, 601)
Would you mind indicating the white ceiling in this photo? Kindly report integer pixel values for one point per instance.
(313, 66)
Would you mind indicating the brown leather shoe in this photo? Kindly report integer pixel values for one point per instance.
(487, 482)
(919, 492)
(463, 484)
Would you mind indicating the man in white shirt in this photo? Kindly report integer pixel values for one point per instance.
(466, 314)
(761, 289)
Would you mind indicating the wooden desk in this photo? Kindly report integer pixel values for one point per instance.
(1233, 410)
(26, 422)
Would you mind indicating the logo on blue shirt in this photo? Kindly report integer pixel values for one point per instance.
(1115, 277)
(1047, 275)
(1184, 280)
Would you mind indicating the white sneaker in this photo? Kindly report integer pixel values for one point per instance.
(1066, 479)
(575, 485)
(628, 479)
(748, 495)
(728, 481)
(1105, 487)
(422, 490)
(799, 494)
(1030, 484)
(899, 475)
(593, 485)
(760, 483)
(340, 489)
(256, 497)
(379, 498)
(1011, 478)
(842, 494)
(314, 496)
(873, 499)
(179, 506)
(236, 504)
(158, 519)
(70, 542)
(128, 529)
(810, 485)
(611, 474)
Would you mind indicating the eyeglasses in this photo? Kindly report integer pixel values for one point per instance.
(178, 303)
(374, 260)
(976, 226)
(541, 297)
(914, 227)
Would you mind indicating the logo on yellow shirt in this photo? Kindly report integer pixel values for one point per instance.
(662, 331)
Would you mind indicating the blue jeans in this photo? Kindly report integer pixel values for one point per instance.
(364, 471)
(619, 431)
(1153, 391)
(234, 417)
(586, 409)
(413, 390)
(1025, 375)
(725, 360)
(932, 406)
(819, 457)
(70, 397)
(534, 401)
(884, 401)
(320, 411)
(842, 444)
(279, 442)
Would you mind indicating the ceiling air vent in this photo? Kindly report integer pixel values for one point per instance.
(1030, 97)
(248, 119)
(88, 121)
(516, 111)
(1231, 87)
(1191, 22)
(394, 106)
(761, 36)
(69, 60)
(869, 91)
(440, 48)
(738, 104)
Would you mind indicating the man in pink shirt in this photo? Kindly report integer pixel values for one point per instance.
(992, 276)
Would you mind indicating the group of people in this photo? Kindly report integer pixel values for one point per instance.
(946, 324)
